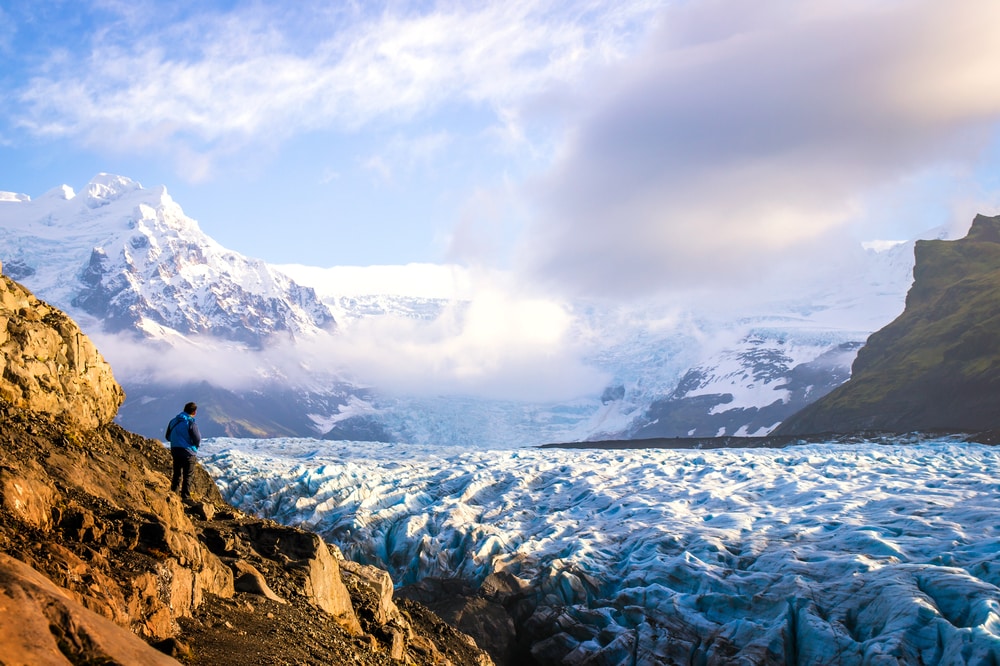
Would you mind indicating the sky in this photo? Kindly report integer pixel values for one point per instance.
(601, 149)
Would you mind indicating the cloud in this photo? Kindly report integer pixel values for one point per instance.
(496, 345)
(406, 153)
(418, 281)
(693, 142)
(187, 360)
(7, 32)
(379, 167)
(216, 83)
(487, 225)
(742, 134)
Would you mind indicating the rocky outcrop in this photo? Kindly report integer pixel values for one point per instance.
(41, 624)
(96, 553)
(494, 614)
(48, 365)
(312, 567)
(937, 366)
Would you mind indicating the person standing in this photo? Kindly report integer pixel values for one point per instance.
(184, 438)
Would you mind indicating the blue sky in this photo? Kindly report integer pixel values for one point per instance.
(595, 148)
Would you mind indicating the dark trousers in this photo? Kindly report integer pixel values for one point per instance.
(184, 462)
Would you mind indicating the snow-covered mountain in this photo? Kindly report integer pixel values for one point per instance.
(175, 312)
(274, 349)
(671, 370)
(749, 389)
(131, 259)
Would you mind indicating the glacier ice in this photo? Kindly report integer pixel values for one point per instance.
(823, 553)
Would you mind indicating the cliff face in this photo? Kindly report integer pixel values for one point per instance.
(98, 559)
(47, 365)
(937, 366)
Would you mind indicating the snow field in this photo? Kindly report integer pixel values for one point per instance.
(869, 553)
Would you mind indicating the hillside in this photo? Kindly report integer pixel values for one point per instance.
(98, 559)
(937, 366)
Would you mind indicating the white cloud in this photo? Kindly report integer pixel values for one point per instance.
(378, 166)
(695, 141)
(187, 360)
(492, 338)
(435, 281)
(487, 225)
(493, 344)
(742, 134)
(406, 154)
(216, 83)
(329, 176)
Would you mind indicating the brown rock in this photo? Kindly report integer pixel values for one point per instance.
(79, 524)
(484, 619)
(48, 365)
(150, 616)
(202, 511)
(41, 624)
(310, 560)
(379, 583)
(327, 590)
(214, 577)
(88, 584)
(27, 497)
(248, 579)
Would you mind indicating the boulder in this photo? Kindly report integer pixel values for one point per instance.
(309, 559)
(248, 579)
(379, 584)
(27, 496)
(482, 617)
(42, 624)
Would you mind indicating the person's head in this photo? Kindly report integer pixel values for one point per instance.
(190, 408)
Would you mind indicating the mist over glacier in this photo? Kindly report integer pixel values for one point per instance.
(825, 553)
(476, 357)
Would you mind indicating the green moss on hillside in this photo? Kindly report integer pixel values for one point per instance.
(937, 366)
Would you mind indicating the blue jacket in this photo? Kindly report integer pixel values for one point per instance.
(182, 433)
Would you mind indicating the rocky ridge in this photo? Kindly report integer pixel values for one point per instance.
(98, 559)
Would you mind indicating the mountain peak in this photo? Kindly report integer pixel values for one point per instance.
(105, 188)
(985, 229)
(61, 193)
(131, 258)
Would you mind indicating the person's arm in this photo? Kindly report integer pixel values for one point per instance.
(170, 426)
(195, 434)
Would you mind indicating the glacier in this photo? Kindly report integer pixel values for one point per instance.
(875, 551)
